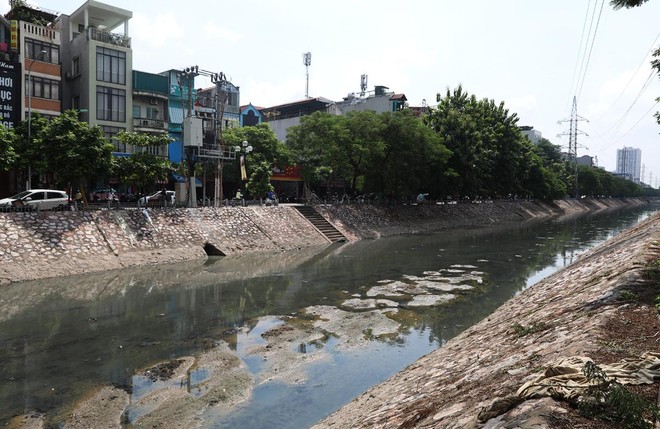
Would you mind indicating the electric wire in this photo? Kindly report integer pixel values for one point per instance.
(650, 50)
(577, 60)
(593, 40)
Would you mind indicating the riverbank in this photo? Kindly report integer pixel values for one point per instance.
(376, 312)
(40, 245)
(602, 307)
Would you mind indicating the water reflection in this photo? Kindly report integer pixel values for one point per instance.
(62, 336)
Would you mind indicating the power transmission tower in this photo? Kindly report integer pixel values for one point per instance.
(572, 142)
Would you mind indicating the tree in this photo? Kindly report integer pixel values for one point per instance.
(265, 148)
(311, 143)
(489, 154)
(29, 145)
(7, 153)
(412, 158)
(259, 182)
(74, 150)
(142, 168)
(619, 4)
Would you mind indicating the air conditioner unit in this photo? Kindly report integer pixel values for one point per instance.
(153, 101)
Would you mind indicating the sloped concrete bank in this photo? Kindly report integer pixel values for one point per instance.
(360, 221)
(51, 244)
(601, 307)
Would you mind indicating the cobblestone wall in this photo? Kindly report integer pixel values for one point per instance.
(48, 244)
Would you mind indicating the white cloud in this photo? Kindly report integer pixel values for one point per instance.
(212, 30)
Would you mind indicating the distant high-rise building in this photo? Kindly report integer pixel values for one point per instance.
(629, 163)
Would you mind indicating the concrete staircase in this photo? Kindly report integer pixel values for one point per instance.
(319, 222)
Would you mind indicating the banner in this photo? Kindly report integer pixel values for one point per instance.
(243, 172)
(10, 93)
(14, 35)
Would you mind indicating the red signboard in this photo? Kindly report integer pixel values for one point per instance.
(291, 173)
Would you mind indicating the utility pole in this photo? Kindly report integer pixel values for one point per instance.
(572, 142)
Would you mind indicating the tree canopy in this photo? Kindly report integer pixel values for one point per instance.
(490, 156)
(74, 150)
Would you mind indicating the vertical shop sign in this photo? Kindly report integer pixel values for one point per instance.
(13, 43)
(10, 94)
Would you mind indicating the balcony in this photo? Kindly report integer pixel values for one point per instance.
(153, 125)
(107, 37)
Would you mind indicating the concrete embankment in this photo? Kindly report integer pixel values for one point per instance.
(52, 244)
(601, 307)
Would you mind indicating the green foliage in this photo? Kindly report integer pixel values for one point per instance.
(535, 327)
(629, 296)
(387, 153)
(22, 12)
(7, 153)
(266, 148)
(490, 155)
(74, 150)
(259, 181)
(29, 144)
(141, 169)
(608, 400)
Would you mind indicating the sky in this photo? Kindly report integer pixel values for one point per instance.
(534, 55)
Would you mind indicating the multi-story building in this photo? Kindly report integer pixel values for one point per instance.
(31, 62)
(219, 107)
(150, 104)
(181, 98)
(97, 61)
(280, 118)
(380, 100)
(629, 163)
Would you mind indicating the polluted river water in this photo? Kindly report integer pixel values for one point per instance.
(269, 341)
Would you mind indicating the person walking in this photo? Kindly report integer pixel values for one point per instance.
(163, 196)
(78, 199)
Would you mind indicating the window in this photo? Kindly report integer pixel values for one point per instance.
(75, 102)
(137, 111)
(43, 88)
(152, 113)
(34, 47)
(110, 104)
(110, 65)
(111, 134)
(75, 66)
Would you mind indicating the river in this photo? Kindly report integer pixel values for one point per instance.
(61, 337)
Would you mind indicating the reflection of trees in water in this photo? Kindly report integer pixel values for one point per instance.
(507, 275)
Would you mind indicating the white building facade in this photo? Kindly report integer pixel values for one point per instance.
(629, 163)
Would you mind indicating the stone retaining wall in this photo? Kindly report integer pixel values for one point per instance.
(50, 244)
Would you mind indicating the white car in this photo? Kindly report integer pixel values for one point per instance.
(36, 199)
(155, 198)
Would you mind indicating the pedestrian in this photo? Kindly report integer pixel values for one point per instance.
(163, 196)
(78, 200)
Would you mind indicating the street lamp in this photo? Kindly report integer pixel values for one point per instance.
(42, 55)
(244, 148)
